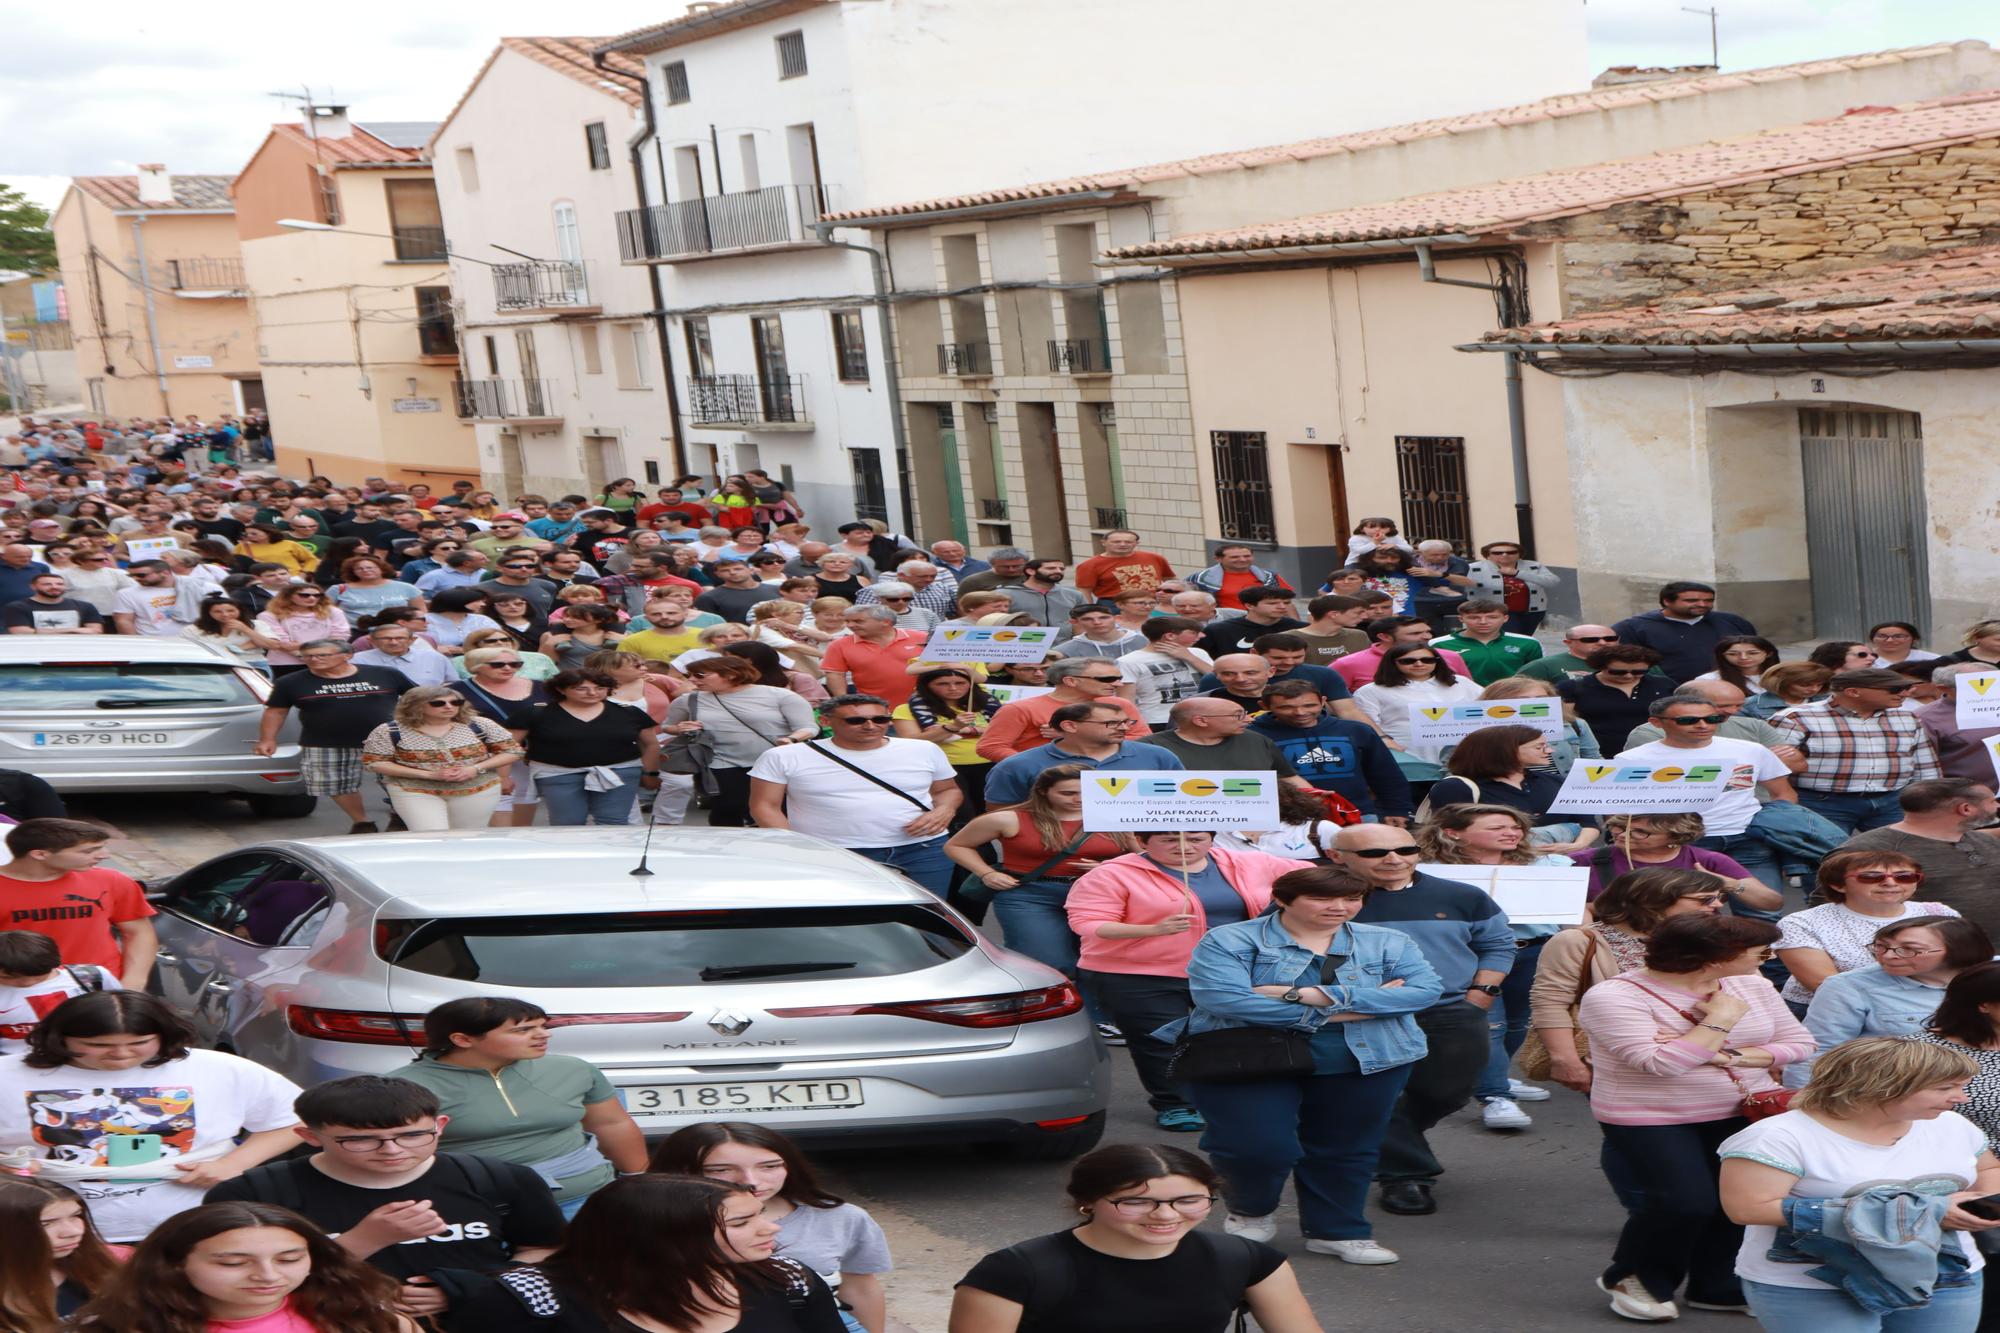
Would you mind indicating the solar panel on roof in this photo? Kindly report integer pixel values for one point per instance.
(401, 133)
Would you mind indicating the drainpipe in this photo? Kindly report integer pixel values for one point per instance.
(878, 266)
(152, 321)
(1517, 420)
(659, 318)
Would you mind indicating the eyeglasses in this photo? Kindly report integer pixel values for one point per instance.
(1504, 550)
(1899, 951)
(1594, 638)
(1624, 671)
(1711, 719)
(1706, 899)
(878, 720)
(1377, 853)
(1187, 1205)
(1109, 722)
(1888, 876)
(409, 1138)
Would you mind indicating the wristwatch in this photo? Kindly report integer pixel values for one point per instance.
(1292, 996)
(1489, 989)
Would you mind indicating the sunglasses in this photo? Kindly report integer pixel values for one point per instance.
(1416, 661)
(879, 721)
(1594, 638)
(305, 597)
(1623, 671)
(1105, 680)
(1709, 898)
(1711, 719)
(443, 703)
(1888, 876)
(496, 662)
(1377, 853)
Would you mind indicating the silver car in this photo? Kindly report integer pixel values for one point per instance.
(128, 713)
(754, 974)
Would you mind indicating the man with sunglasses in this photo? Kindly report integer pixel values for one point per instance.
(1465, 937)
(515, 573)
(1689, 724)
(1579, 642)
(885, 797)
(379, 1185)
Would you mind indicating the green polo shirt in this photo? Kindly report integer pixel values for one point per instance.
(529, 1112)
(1488, 662)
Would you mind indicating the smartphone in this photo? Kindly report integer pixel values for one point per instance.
(1987, 1208)
(132, 1149)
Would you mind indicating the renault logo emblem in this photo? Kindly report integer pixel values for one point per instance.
(729, 1022)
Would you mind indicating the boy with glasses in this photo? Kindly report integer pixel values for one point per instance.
(381, 1188)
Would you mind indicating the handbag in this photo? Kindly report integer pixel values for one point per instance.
(1534, 1057)
(1244, 1055)
(1751, 1105)
(976, 890)
(692, 753)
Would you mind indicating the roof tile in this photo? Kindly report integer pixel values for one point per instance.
(358, 149)
(208, 193)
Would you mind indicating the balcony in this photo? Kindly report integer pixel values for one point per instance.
(205, 277)
(966, 359)
(1079, 356)
(780, 215)
(418, 244)
(531, 401)
(749, 402)
(542, 285)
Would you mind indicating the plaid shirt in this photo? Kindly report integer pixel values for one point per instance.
(940, 597)
(1846, 752)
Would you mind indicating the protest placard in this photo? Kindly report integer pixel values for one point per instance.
(1009, 694)
(1448, 724)
(1121, 801)
(1978, 699)
(1004, 643)
(149, 548)
(1608, 787)
(1529, 895)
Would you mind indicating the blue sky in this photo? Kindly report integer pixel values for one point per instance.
(118, 82)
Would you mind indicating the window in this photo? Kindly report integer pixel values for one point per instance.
(701, 351)
(850, 346)
(468, 170)
(746, 152)
(129, 686)
(328, 195)
(492, 355)
(791, 54)
(628, 356)
(643, 379)
(870, 499)
(436, 334)
(677, 82)
(652, 476)
(598, 147)
(593, 350)
(1430, 470)
(1243, 485)
(414, 219)
(263, 899)
(774, 376)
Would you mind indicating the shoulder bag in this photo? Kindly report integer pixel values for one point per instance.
(691, 753)
(1534, 1055)
(1754, 1105)
(1246, 1054)
(976, 890)
(815, 747)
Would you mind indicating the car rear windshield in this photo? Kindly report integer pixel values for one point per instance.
(720, 948)
(115, 685)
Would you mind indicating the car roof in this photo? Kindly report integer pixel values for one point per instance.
(528, 871)
(38, 648)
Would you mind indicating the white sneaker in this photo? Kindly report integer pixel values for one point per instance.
(1631, 1300)
(1252, 1228)
(1526, 1092)
(1502, 1113)
(1354, 1251)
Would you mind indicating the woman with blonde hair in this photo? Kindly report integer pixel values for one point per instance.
(1982, 645)
(1878, 1124)
(440, 760)
(780, 624)
(827, 615)
(298, 614)
(1786, 685)
(534, 666)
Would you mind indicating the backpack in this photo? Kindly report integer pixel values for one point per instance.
(273, 1183)
(1051, 1268)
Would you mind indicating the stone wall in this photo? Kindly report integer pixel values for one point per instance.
(1736, 236)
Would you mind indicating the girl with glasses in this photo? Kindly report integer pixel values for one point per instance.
(1864, 892)
(440, 760)
(1741, 660)
(1894, 996)
(1136, 1202)
(299, 614)
(532, 666)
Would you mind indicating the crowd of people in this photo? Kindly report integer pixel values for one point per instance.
(1795, 1104)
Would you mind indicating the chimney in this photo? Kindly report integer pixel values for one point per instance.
(1619, 76)
(155, 185)
(327, 121)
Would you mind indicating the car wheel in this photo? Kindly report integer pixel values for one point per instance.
(282, 807)
(1037, 1145)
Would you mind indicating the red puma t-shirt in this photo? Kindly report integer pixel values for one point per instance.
(77, 911)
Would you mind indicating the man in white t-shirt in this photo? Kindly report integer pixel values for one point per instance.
(1688, 725)
(149, 608)
(889, 799)
(1166, 671)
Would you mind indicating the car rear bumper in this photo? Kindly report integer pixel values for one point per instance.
(235, 774)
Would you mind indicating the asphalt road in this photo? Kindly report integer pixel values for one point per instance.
(1525, 1221)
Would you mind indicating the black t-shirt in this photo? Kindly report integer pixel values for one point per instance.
(376, 532)
(558, 736)
(734, 603)
(1236, 634)
(338, 714)
(510, 713)
(492, 1307)
(1182, 1293)
(66, 614)
(481, 1229)
(849, 587)
(226, 528)
(1532, 798)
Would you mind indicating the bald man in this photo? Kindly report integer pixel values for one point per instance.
(1579, 642)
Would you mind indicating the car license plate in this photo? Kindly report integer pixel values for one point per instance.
(708, 1098)
(59, 739)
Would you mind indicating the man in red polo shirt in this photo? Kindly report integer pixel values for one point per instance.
(874, 656)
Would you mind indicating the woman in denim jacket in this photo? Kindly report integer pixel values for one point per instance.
(1326, 1127)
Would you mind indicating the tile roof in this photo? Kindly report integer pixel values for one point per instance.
(571, 56)
(708, 21)
(1548, 108)
(1947, 295)
(1860, 135)
(196, 192)
(358, 149)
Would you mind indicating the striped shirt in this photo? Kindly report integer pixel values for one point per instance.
(1847, 752)
(1638, 1079)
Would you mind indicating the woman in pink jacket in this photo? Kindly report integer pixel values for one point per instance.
(1137, 919)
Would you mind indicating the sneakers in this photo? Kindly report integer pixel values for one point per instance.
(1354, 1251)
(1503, 1113)
(1181, 1120)
(1526, 1092)
(363, 826)
(1253, 1228)
(1111, 1035)
(1631, 1300)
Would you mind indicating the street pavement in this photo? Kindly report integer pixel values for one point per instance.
(1525, 1221)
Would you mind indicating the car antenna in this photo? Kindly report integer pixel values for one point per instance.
(642, 871)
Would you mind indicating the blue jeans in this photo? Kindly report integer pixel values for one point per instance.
(1827, 1310)
(1507, 1020)
(924, 862)
(1323, 1130)
(1855, 812)
(569, 803)
(1033, 922)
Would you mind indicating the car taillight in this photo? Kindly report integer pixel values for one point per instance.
(978, 1011)
(356, 1026)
